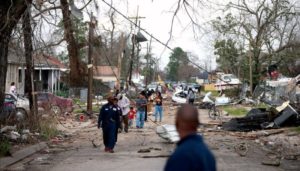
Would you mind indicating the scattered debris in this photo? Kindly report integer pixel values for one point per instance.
(94, 145)
(271, 162)
(241, 149)
(154, 148)
(168, 132)
(144, 151)
(8, 128)
(57, 139)
(157, 156)
(14, 135)
(290, 157)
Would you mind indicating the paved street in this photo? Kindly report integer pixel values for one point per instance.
(78, 153)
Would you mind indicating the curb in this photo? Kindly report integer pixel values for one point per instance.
(21, 154)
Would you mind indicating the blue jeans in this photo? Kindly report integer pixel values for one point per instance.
(158, 111)
(140, 118)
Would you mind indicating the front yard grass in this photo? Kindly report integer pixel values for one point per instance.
(235, 110)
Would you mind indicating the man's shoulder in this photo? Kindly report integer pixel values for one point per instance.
(105, 105)
(193, 143)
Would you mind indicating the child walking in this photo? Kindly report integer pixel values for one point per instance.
(131, 116)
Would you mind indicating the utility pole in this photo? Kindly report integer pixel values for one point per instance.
(148, 59)
(133, 39)
(120, 56)
(131, 60)
(138, 51)
(250, 71)
(92, 25)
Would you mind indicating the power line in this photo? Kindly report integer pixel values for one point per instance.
(159, 41)
(149, 34)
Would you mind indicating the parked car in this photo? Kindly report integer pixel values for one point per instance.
(15, 107)
(56, 104)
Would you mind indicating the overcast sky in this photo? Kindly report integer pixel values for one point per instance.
(158, 15)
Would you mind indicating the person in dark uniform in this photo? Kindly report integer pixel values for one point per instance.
(191, 153)
(109, 121)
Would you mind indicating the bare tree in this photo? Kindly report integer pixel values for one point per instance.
(10, 13)
(29, 86)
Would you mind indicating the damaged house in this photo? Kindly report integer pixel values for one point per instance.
(282, 97)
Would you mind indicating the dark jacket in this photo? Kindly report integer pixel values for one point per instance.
(109, 114)
(191, 154)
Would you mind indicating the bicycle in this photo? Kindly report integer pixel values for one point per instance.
(213, 112)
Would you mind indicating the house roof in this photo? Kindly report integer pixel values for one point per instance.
(47, 61)
(102, 71)
(40, 60)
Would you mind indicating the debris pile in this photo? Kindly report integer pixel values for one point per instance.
(12, 134)
(168, 132)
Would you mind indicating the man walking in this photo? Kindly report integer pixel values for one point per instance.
(109, 121)
(141, 104)
(191, 96)
(191, 153)
(124, 104)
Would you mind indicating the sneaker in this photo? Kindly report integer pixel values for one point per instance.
(111, 151)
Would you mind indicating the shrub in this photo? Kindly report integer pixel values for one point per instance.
(4, 146)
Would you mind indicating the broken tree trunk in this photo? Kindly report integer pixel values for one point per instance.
(10, 13)
(29, 76)
(77, 71)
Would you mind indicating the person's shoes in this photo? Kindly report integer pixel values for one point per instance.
(111, 151)
(137, 127)
(106, 149)
(155, 121)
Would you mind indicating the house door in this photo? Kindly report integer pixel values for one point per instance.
(45, 76)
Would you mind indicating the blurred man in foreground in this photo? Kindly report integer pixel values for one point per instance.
(191, 153)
